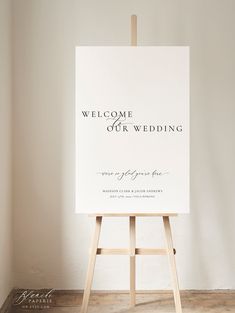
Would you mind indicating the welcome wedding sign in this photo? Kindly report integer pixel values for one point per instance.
(132, 129)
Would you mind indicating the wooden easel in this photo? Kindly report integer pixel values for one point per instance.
(132, 251)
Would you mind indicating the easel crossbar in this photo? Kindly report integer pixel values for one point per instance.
(138, 251)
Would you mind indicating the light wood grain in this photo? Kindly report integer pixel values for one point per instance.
(91, 265)
(132, 221)
(132, 214)
(134, 30)
(138, 251)
(171, 257)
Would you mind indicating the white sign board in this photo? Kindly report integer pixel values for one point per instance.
(132, 130)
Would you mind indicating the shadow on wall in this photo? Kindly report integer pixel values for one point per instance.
(51, 242)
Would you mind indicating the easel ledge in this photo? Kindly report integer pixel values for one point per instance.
(132, 214)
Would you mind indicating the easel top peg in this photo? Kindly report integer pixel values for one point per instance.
(134, 30)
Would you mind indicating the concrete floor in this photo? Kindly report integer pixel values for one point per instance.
(192, 302)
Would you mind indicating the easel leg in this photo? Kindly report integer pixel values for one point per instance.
(132, 259)
(172, 263)
(132, 218)
(91, 265)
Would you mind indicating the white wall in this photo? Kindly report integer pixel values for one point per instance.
(5, 150)
(51, 242)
